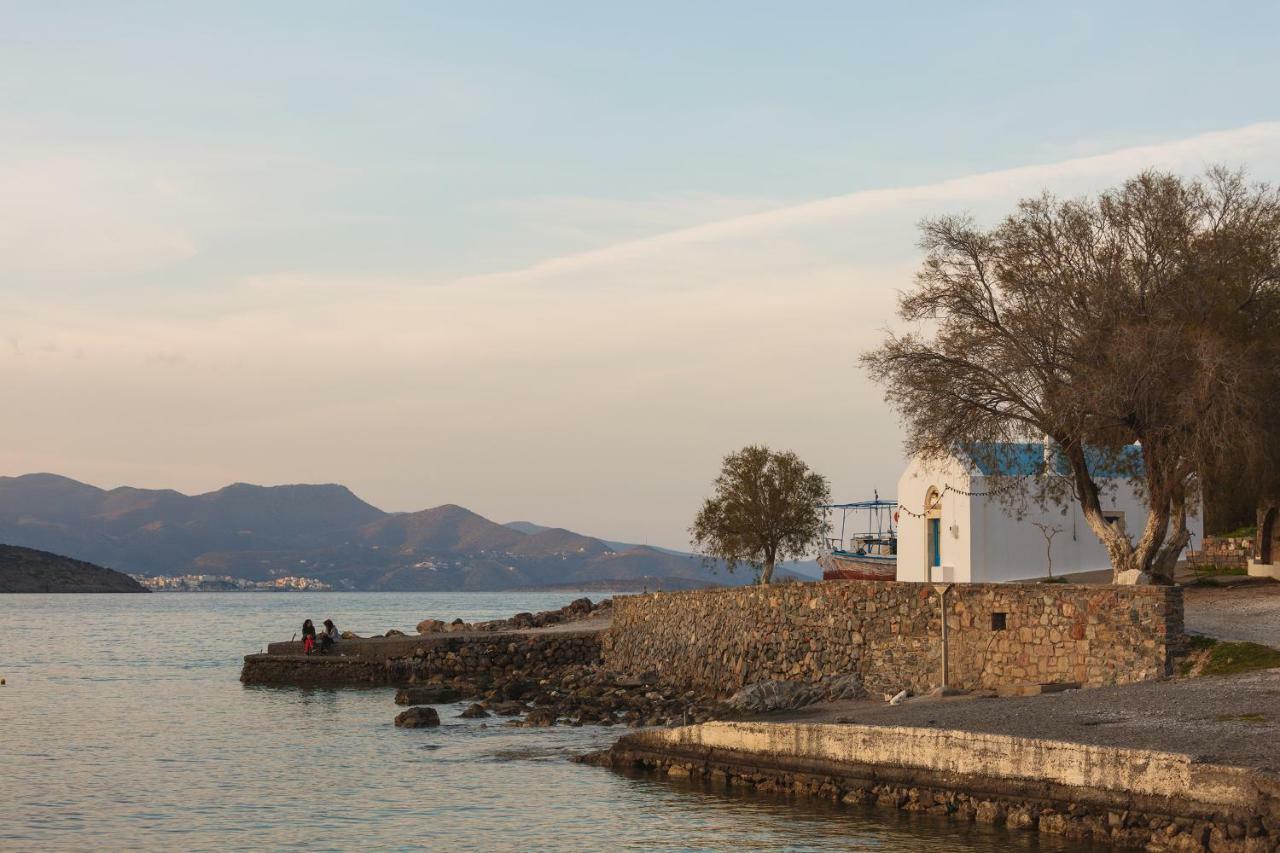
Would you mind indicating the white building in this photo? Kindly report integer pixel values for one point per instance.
(948, 530)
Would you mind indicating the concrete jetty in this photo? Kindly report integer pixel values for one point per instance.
(399, 661)
(1136, 798)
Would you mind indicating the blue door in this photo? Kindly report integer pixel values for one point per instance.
(935, 542)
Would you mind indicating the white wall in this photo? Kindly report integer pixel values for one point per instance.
(991, 545)
(913, 488)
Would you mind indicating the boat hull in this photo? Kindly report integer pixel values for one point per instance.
(851, 567)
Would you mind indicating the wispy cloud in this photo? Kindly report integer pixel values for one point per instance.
(1235, 145)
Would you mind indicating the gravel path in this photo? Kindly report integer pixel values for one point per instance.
(1248, 612)
(1229, 719)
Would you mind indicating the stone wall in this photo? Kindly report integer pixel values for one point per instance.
(1224, 551)
(890, 633)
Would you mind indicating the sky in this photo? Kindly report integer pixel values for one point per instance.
(548, 261)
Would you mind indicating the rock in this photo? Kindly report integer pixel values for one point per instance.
(418, 718)
(765, 696)
(844, 687)
(475, 711)
(1133, 577)
(349, 635)
(509, 709)
(430, 626)
(541, 717)
(394, 633)
(436, 694)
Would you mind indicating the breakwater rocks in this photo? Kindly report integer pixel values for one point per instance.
(890, 634)
(1129, 798)
(589, 694)
(576, 611)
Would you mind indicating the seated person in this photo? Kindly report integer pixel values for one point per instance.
(308, 637)
(330, 636)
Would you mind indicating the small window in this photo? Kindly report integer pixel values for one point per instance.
(998, 621)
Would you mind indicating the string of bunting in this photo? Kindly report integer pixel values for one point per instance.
(953, 489)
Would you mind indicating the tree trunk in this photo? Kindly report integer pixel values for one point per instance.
(766, 571)
(1119, 548)
(1166, 560)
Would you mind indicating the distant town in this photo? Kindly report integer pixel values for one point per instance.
(225, 583)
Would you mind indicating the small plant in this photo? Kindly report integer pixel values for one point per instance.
(1230, 658)
(1048, 531)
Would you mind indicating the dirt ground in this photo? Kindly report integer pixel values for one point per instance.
(1249, 612)
(1224, 719)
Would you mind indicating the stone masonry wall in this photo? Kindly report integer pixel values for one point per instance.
(890, 634)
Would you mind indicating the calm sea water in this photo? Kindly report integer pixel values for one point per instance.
(123, 724)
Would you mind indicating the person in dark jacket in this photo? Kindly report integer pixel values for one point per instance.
(308, 637)
(330, 636)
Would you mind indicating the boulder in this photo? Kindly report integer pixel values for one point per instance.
(541, 717)
(509, 709)
(1133, 577)
(475, 711)
(430, 626)
(435, 694)
(765, 696)
(418, 718)
(394, 633)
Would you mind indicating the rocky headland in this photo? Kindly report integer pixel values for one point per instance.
(27, 570)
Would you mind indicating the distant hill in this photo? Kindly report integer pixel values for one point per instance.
(29, 570)
(326, 532)
(800, 570)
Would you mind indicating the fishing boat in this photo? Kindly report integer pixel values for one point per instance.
(867, 547)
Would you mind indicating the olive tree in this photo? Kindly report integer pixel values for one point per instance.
(766, 507)
(1133, 331)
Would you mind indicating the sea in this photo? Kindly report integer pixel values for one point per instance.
(123, 725)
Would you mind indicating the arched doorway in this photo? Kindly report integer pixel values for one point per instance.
(1269, 537)
(932, 533)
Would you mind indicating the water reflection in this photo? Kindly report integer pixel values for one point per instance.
(149, 740)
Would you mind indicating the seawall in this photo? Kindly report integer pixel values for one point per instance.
(401, 661)
(1127, 797)
(892, 634)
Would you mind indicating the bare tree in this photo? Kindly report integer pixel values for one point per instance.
(765, 508)
(1132, 330)
(1048, 531)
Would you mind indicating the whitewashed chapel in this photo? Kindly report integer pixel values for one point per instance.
(950, 528)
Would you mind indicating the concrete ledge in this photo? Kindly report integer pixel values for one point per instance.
(386, 648)
(1127, 797)
(1264, 570)
(1162, 774)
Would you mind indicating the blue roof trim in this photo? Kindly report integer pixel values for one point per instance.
(1026, 459)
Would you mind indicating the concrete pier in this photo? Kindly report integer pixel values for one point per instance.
(1127, 797)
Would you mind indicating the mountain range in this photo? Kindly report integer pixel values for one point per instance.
(325, 532)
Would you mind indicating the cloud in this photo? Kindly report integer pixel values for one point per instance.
(1195, 152)
(595, 389)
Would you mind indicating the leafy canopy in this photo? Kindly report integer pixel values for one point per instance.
(765, 508)
(1145, 317)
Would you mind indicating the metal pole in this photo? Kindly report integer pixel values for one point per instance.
(943, 589)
